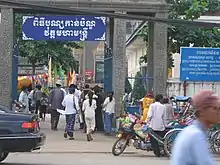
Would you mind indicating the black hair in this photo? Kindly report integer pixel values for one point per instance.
(72, 90)
(38, 86)
(87, 86)
(158, 97)
(90, 94)
(165, 100)
(111, 96)
(58, 85)
(23, 88)
(73, 86)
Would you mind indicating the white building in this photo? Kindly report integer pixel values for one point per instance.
(136, 48)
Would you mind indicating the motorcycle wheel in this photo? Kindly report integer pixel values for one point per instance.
(3, 156)
(119, 146)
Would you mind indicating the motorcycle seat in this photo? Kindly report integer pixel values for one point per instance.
(168, 127)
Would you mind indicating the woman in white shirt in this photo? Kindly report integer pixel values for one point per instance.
(70, 102)
(89, 106)
(109, 109)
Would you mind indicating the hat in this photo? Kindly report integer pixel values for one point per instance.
(59, 82)
(204, 99)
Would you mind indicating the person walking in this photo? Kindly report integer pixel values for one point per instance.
(191, 145)
(55, 102)
(70, 102)
(109, 109)
(23, 99)
(169, 113)
(89, 107)
(156, 121)
(85, 91)
(43, 106)
(37, 95)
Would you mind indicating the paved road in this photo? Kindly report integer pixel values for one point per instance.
(58, 151)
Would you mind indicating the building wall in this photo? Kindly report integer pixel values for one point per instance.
(133, 53)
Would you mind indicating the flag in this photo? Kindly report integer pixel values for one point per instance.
(71, 77)
(50, 72)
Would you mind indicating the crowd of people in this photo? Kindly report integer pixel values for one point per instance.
(95, 112)
(92, 107)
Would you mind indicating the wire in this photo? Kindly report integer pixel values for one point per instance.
(71, 11)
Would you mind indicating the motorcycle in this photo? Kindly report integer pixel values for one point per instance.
(133, 131)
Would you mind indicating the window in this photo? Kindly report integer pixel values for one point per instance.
(99, 72)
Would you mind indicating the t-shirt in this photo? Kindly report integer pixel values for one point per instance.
(89, 111)
(191, 147)
(156, 116)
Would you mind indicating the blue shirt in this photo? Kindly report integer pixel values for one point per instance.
(191, 147)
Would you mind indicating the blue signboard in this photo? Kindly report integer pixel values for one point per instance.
(70, 28)
(200, 64)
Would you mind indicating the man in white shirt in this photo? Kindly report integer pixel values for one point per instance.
(156, 122)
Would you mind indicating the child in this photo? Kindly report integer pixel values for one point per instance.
(43, 106)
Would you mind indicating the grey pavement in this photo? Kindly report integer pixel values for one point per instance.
(58, 151)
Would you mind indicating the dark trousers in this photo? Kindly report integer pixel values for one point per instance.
(29, 103)
(43, 110)
(55, 116)
(70, 122)
(37, 106)
(155, 144)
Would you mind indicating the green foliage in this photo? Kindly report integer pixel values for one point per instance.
(38, 51)
(180, 36)
(128, 87)
(138, 89)
(183, 36)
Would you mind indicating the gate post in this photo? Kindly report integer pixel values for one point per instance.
(119, 63)
(160, 70)
(6, 47)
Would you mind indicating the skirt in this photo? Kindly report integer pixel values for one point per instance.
(70, 121)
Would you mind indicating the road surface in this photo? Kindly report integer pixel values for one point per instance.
(58, 151)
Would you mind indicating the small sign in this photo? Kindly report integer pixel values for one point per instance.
(70, 28)
(200, 64)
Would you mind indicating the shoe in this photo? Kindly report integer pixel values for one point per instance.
(71, 138)
(65, 135)
(88, 138)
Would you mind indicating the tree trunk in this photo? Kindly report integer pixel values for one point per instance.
(33, 74)
(33, 69)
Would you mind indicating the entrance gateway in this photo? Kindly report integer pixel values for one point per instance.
(116, 38)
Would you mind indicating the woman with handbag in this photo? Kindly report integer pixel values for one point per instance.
(70, 102)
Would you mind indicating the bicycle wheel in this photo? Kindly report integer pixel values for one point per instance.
(215, 142)
(169, 140)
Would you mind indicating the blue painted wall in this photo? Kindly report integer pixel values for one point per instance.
(15, 72)
(108, 72)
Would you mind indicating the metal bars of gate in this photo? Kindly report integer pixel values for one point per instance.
(57, 10)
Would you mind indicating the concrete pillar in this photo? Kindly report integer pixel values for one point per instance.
(119, 62)
(6, 47)
(150, 56)
(160, 55)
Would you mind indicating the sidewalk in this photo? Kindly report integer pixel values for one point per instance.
(55, 141)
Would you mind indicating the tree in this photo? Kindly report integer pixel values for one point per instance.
(38, 51)
(181, 35)
(128, 87)
(138, 91)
